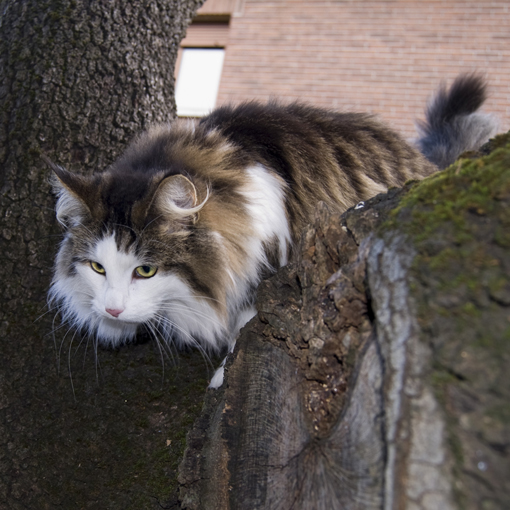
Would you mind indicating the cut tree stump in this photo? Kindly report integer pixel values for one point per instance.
(375, 375)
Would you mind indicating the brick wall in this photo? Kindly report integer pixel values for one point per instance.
(380, 56)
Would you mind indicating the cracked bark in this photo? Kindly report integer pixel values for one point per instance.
(370, 377)
(79, 79)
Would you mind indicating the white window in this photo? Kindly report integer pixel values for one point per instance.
(198, 81)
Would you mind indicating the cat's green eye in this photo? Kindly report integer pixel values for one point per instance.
(145, 271)
(97, 267)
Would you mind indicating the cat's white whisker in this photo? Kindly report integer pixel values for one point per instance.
(69, 367)
(122, 226)
(164, 346)
(169, 307)
(88, 294)
(184, 297)
(150, 223)
(81, 225)
(166, 322)
(95, 343)
(50, 310)
(62, 342)
(60, 326)
(55, 342)
(162, 353)
(87, 337)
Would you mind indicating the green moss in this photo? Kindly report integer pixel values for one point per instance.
(440, 378)
(444, 213)
(466, 186)
(469, 309)
(498, 142)
(458, 221)
(500, 413)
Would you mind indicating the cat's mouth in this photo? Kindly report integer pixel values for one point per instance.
(114, 331)
(110, 320)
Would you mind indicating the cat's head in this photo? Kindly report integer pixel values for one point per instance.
(137, 252)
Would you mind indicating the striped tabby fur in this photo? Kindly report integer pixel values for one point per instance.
(212, 206)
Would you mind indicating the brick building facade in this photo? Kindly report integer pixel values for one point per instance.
(383, 56)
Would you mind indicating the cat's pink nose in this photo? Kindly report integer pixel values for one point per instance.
(113, 311)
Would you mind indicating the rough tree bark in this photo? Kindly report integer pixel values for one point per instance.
(79, 79)
(375, 375)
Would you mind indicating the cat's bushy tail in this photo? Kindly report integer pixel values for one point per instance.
(452, 124)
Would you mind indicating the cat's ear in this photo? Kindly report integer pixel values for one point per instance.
(177, 197)
(73, 195)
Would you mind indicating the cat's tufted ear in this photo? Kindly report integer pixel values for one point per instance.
(74, 195)
(176, 196)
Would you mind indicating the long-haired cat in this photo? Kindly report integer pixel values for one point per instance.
(177, 234)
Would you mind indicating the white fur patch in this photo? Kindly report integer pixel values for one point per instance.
(265, 197)
(266, 203)
(217, 378)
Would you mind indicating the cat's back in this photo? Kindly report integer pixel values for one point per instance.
(282, 127)
(322, 155)
(299, 137)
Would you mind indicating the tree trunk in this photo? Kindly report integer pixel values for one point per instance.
(79, 79)
(375, 375)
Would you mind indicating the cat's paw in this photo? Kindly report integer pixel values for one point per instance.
(217, 379)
